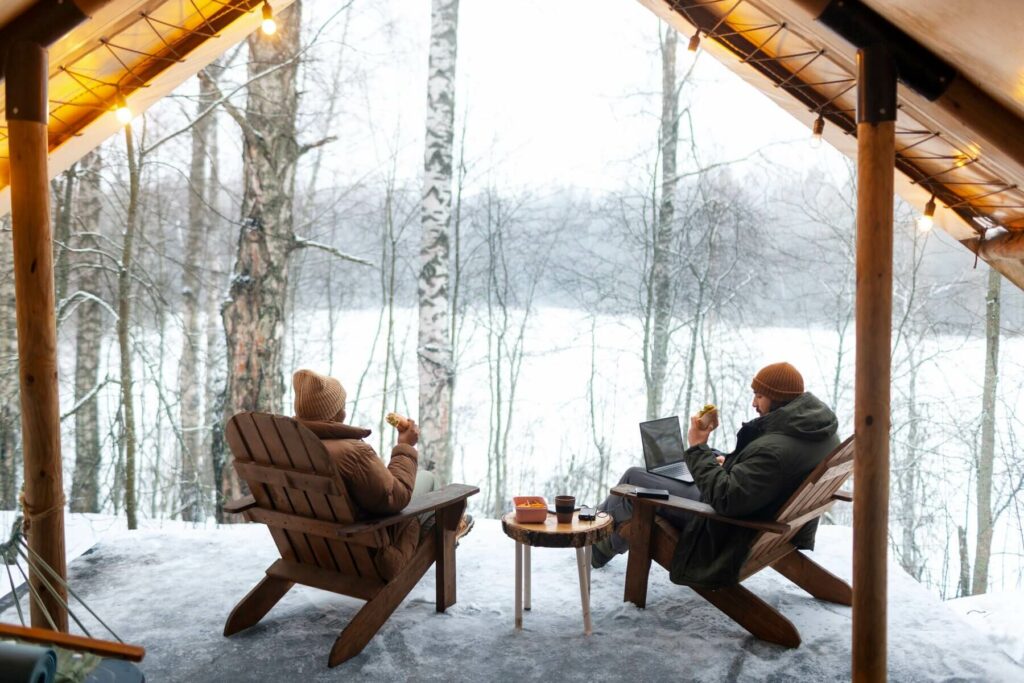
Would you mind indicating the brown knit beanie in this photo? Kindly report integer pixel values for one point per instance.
(318, 397)
(779, 382)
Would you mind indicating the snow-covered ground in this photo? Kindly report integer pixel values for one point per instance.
(171, 589)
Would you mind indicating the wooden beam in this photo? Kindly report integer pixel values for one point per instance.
(876, 157)
(37, 326)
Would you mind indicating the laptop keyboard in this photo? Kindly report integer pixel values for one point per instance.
(676, 470)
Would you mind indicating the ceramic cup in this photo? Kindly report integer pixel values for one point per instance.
(564, 507)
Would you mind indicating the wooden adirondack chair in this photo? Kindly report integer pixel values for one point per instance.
(298, 493)
(651, 537)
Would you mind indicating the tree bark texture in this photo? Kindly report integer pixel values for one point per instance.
(10, 418)
(190, 465)
(434, 346)
(85, 482)
(660, 302)
(124, 312)
(254, 313)
(986, 455)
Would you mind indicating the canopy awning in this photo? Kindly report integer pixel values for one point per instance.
(138, 50)
(960, 128)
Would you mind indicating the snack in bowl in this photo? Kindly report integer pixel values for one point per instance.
(708, 416)
(399, 422)
(530, 509)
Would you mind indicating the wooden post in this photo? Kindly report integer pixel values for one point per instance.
(37, 329)
(876, 156)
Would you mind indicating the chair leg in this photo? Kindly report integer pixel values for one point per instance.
(813, 578)
(446, 522)
(638, 565)
(371, 617)
(256, 604)
(753, 614)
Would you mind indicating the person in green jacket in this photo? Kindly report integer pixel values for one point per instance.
(774, 453)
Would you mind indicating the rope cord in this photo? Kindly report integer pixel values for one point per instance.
(35, 596)
(14, 593)
(53, 591)
(73, 594)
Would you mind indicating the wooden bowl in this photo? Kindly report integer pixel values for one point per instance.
(530, 509)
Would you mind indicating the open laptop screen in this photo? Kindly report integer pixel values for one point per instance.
(662, 441)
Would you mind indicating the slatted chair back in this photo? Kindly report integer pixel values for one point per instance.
(811, 500)
(299, 494)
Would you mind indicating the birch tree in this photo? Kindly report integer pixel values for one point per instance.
(434, 346)
(987, 451)
(10, 419)
(660, 304)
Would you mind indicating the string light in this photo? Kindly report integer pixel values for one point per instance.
(269, 26)
(927, 219)
(694, 42)
(817, 130)
(121, 110)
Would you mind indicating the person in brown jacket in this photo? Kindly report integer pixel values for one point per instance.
(376, 490)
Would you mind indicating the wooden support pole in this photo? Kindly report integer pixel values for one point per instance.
(876, 157)
(26, 91)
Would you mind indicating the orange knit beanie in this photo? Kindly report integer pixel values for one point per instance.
(318, 397)
(779, 382)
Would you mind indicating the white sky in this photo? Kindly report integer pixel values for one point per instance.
(562, 92)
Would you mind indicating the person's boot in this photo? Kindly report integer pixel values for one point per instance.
(465, 526)
(601, 553)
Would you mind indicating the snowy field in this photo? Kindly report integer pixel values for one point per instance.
(570, 357)
(171, 590)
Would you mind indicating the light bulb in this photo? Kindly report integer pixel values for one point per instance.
(269, 26)
(817, 130)
(927, 220)
(694, 42)
(121, 110)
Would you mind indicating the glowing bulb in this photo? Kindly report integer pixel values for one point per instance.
(926, 221)
(121, 110)
(817, 130)
(694, 42)
(269, 26)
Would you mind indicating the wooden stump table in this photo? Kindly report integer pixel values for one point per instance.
(550, 534)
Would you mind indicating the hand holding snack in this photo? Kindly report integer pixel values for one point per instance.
(399, 422)
(708, 416)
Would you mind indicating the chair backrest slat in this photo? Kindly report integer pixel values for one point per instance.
(816, 491)
(314, 457)
(236, 433)
(293, 474)
(285, 499)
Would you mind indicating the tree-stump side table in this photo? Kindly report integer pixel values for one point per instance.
(578, 534)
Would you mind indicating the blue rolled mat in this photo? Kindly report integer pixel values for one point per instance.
(27, 663)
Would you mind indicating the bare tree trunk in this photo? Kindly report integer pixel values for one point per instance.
(85, 483)
(190, 489)
(964, 586)
(10, 418)
(986, 456)
(435, 350)
(661, 304)
(124, 292)
(255, 311)
(62, 230)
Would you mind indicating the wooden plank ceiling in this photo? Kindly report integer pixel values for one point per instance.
(140, 50)
(975, 175)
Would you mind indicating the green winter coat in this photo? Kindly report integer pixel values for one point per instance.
(773, 456)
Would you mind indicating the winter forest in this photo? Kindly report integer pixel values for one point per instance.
(385, 195)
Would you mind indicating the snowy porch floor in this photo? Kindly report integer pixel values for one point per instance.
(171, 590)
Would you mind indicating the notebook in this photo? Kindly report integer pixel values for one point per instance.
(663, 449)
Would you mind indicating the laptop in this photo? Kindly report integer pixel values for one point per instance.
(663, 449)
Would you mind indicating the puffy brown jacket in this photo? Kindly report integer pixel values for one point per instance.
(376, 490)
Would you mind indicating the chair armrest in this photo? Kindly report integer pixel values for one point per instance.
(843, 496)
(104, 648)
(239, 505)
(443, 497)
(701, 509)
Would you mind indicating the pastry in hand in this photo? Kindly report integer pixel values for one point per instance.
(399, 422)
(707, 417)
